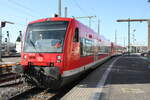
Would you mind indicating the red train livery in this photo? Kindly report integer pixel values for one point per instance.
(57, 50)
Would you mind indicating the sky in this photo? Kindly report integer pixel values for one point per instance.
(22, 12)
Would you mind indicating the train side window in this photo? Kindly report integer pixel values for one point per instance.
(76, 35)
(81, 46)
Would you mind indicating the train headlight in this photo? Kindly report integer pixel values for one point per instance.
(58, 57)
(25, 57)
(58, 61)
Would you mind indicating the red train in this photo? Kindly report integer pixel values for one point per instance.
(57, 50)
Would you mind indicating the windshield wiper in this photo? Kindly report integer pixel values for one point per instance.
(33, 45)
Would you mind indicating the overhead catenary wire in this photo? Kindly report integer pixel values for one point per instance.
(15, 8)
(74, 3)
(24, 7)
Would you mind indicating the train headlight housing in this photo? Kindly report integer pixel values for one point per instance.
(58, 61)
(58, 57)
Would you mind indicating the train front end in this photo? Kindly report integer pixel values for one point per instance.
(43, 52)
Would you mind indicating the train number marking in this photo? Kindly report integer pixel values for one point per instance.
(39, 59)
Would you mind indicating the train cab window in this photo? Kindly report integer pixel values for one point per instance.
(76, 35)
(45, 37)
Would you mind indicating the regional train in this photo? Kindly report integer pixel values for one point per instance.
(57, 50)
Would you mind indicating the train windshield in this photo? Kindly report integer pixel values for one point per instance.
(45, 37)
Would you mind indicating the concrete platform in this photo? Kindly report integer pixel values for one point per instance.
(122, 78)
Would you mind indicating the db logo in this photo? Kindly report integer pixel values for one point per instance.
(39, 59)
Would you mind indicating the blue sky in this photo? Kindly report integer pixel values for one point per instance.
(108, 11)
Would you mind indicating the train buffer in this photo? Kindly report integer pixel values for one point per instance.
(121, 78)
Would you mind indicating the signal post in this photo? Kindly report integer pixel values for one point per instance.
(2, 24)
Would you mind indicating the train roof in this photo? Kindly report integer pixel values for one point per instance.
(52, 19)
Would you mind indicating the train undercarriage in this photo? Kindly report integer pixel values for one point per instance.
(42, 77)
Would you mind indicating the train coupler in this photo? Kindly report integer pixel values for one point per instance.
(52, 72)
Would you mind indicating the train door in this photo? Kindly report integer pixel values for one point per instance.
(75, 48)
(75, 51)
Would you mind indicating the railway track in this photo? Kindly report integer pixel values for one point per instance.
(19, 90)
(35, 94)
(6, 74)
(8, 77)
(48, 94)
(8, 92)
